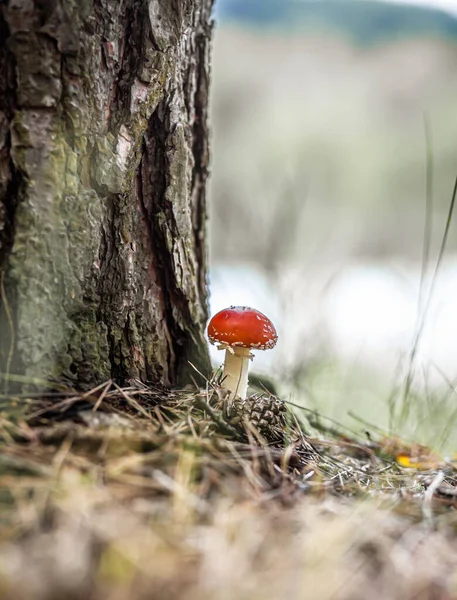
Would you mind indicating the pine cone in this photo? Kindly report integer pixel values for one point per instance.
(266, 413)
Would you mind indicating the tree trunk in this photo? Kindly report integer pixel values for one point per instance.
(103, 164)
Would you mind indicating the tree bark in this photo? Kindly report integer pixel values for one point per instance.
(103, 164)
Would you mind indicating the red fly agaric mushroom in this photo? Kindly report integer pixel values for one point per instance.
(237, 330)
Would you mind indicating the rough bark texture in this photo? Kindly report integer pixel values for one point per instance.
(103, 164)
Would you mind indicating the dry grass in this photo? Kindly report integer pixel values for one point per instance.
(145, 493)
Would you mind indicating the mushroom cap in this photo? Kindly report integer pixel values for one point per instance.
(242, 326)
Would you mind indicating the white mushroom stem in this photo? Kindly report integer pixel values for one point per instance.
(236, 366)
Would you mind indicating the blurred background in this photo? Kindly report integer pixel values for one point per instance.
(334, 155)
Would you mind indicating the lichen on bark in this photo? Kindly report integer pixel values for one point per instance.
(103, 164)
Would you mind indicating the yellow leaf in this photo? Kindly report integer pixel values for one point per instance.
(404, 461)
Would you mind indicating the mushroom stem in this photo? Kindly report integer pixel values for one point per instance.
(236, 366)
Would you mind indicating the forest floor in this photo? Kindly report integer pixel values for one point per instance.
(144, 493)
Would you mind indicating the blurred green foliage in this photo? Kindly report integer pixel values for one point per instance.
(364, 22)
(319, 146)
